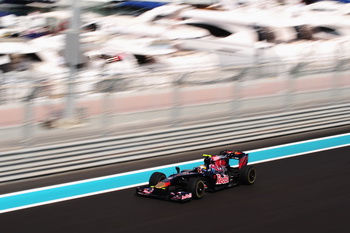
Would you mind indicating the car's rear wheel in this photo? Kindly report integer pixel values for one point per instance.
(155, 178)
(247, 175)
(196, 186)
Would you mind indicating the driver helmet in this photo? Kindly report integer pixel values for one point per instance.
(201, 168)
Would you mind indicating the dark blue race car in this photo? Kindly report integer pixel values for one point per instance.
(215, 174)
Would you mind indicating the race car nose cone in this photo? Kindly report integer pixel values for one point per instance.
(161, 185)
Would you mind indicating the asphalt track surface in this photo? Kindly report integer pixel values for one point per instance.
(300, 194)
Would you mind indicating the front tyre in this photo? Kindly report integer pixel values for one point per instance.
(196, 186)
(247, 175)
(155, 178)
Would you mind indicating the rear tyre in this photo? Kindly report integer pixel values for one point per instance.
(155, 178)
(247, 175)
(196, 186)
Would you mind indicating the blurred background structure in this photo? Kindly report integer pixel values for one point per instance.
(164, 77)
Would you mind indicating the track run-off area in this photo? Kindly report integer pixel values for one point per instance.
(83, 188)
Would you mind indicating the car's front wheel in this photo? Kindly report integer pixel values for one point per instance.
(155, 178)
(196, 186)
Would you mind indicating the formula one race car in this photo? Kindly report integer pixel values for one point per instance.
(215, 174)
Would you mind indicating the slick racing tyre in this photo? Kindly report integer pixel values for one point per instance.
(196, 186)
(247, 175)
(155, 178)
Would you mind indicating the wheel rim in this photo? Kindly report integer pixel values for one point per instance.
(252, 175)
(200, 189)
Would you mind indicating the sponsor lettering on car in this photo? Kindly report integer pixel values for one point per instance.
(222, 179)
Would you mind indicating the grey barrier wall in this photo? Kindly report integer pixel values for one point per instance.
(39, 161)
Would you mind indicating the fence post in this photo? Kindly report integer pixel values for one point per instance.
(27, 122)
(236, 89)
(106, 113)
(175, 111)
(340, 62)
(2, 88)
(290, 85)
(70, 98)
(73, 57)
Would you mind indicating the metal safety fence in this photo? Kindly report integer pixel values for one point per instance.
(34, 114)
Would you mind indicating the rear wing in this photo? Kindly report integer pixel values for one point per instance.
(238, 155)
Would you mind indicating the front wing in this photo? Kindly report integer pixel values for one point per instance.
(180, 196)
